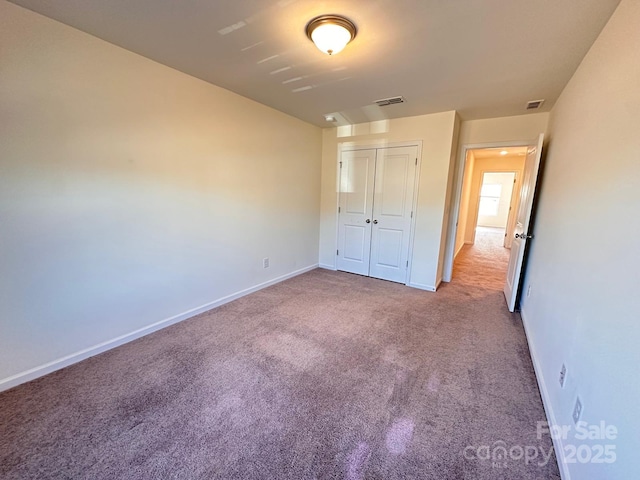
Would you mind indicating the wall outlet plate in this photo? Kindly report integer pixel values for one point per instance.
(563, 375)
(265, 262)
(577, 410)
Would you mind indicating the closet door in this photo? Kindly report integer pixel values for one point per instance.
(392, 212)
(357, 172)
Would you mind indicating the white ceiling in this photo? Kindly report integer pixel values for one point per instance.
(484, 58)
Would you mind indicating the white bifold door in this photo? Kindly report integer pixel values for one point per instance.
(375, 211)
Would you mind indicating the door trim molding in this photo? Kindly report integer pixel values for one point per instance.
(355, 146)
(327, 267)
(420, 286)
(414, 209)
(460, 166)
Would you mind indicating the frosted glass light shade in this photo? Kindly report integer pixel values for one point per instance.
(330, 39)
(331, 33)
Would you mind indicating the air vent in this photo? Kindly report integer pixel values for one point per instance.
(389, 101)
(534, 104)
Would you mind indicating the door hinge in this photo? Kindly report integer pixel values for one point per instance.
(337, 252)
(340, 164)
(338, 209)
(407, 263)
(416, 161)
(411, 213)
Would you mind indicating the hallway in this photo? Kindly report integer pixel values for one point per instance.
(485, 262)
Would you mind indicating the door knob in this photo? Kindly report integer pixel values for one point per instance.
(375, 222)
(523, 236)
(368, 221)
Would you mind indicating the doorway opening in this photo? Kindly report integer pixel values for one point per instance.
(495, 205)
(486, 218)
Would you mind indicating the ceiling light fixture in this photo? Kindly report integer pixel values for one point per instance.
(330, 118)
(331, 33)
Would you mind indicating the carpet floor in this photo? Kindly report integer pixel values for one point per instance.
(325, 376)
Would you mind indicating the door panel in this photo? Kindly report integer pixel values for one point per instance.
(392, 183)
(392, 203)
(355, 240)
(390, 247)
(357, 173)
(356, 184)
(521, 231)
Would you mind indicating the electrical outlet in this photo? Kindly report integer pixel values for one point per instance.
(529, 291)
(265, 262)
(563, 375)
(577, 410)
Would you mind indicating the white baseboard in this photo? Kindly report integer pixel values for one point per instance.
(558, 445)
(328, 267)
(50, 367)
(428, 288)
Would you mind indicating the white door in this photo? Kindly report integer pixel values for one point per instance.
(357, 170)
(375, 211)
(392, 212)
(513, 213)
(522, 234)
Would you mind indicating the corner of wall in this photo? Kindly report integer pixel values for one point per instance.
(447, 239)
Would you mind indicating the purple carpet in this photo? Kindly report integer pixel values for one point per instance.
(325, 376)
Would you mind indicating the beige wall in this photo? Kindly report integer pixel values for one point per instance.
(448, 203)
(503, 129)
(482, 165)
(584, 268)
(131, 193)
(465, 199)
(438, 135)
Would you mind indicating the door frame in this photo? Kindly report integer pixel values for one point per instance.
(454, 211)
(354, 146)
